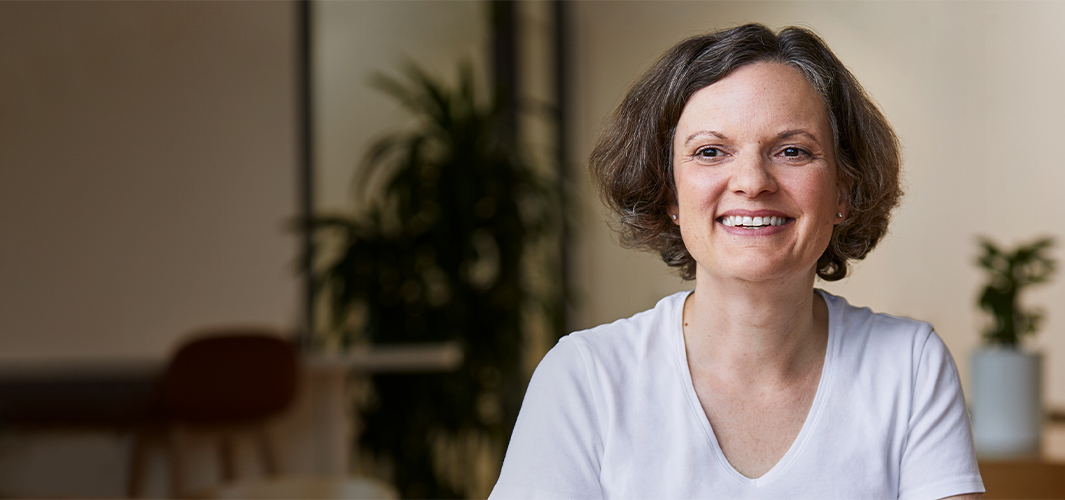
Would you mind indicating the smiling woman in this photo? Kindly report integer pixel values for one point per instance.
(753, 162)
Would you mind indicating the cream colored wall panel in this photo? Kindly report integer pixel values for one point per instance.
(147, 170)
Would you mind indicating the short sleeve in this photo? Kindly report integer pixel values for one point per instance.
(938, 458)
(556, 446)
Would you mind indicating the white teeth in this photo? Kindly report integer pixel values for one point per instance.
(752, 222)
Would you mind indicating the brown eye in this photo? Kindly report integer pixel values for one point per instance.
(793, 152)
(708, 153)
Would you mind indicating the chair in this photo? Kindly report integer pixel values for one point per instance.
(223, 382)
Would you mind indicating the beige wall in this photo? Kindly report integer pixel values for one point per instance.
(147, 169)
(355, 40)
(974, 91)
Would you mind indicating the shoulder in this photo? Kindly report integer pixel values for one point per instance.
(615, 358)
(892, 353)
(647, 333)
(860, 330)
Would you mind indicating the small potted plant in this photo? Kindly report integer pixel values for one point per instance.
(1007, 408)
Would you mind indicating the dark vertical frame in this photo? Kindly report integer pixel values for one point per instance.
(305, 142)
(505, 63)
(506, 76)
(560, 20)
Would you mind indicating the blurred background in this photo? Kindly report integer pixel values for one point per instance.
(158, 161)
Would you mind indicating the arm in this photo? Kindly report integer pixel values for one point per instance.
(556, 447)
(938, 458)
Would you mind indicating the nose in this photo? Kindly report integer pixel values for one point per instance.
(752, 177)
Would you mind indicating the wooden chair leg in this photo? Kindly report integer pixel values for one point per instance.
(137, 463)
(266, 450)
(176, 454)
(225, 451)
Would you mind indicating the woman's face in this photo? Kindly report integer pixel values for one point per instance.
(755, 173)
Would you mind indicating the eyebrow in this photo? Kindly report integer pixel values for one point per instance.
(792, 133)
(783, 135)
(719, 135)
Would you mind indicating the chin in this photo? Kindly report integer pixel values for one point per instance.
(749, 275)
(755, 272)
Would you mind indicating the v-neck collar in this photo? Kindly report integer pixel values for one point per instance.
(681, 359)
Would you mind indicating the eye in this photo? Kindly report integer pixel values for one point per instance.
(708, 152)
(794, 152)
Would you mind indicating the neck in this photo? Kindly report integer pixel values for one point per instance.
(751, 334)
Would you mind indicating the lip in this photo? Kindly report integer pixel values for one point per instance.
(765, 231)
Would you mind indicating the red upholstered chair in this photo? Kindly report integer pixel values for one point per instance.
(222, 382)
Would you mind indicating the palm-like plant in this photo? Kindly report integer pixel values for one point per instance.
(441, 254)
(1009, 273)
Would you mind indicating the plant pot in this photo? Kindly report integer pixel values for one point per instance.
(1007, 402)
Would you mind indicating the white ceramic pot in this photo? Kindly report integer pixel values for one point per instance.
(1007, 402)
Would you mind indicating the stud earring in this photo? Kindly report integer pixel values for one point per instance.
(674, 216)
(839, 215)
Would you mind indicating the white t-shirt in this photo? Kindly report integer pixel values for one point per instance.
(611, 413)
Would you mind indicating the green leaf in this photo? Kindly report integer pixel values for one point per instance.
(1010, 273)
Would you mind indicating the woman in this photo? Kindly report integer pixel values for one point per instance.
(752, 162)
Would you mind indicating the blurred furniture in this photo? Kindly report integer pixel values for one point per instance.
(1023, 479)
(307, 487)
(77, 393)
(312, 437)
(232, 382)
(327, 382)
(223, 383)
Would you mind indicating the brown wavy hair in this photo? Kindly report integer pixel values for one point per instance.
(632, 163)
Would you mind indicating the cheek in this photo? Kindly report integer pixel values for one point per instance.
(696, 187)
(819, 190)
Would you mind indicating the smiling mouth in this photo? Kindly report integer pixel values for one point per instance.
(753, 222)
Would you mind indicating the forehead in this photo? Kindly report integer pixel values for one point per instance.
(759, 95)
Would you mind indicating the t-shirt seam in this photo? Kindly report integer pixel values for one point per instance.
(917, 370)
(959, 485)
(913, 385)
(929, 331)
(578, 344)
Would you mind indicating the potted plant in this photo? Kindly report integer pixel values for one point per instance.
(444, 247)
(1007, 408)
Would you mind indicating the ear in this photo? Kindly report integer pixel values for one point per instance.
(673, 211)
(843, 203)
